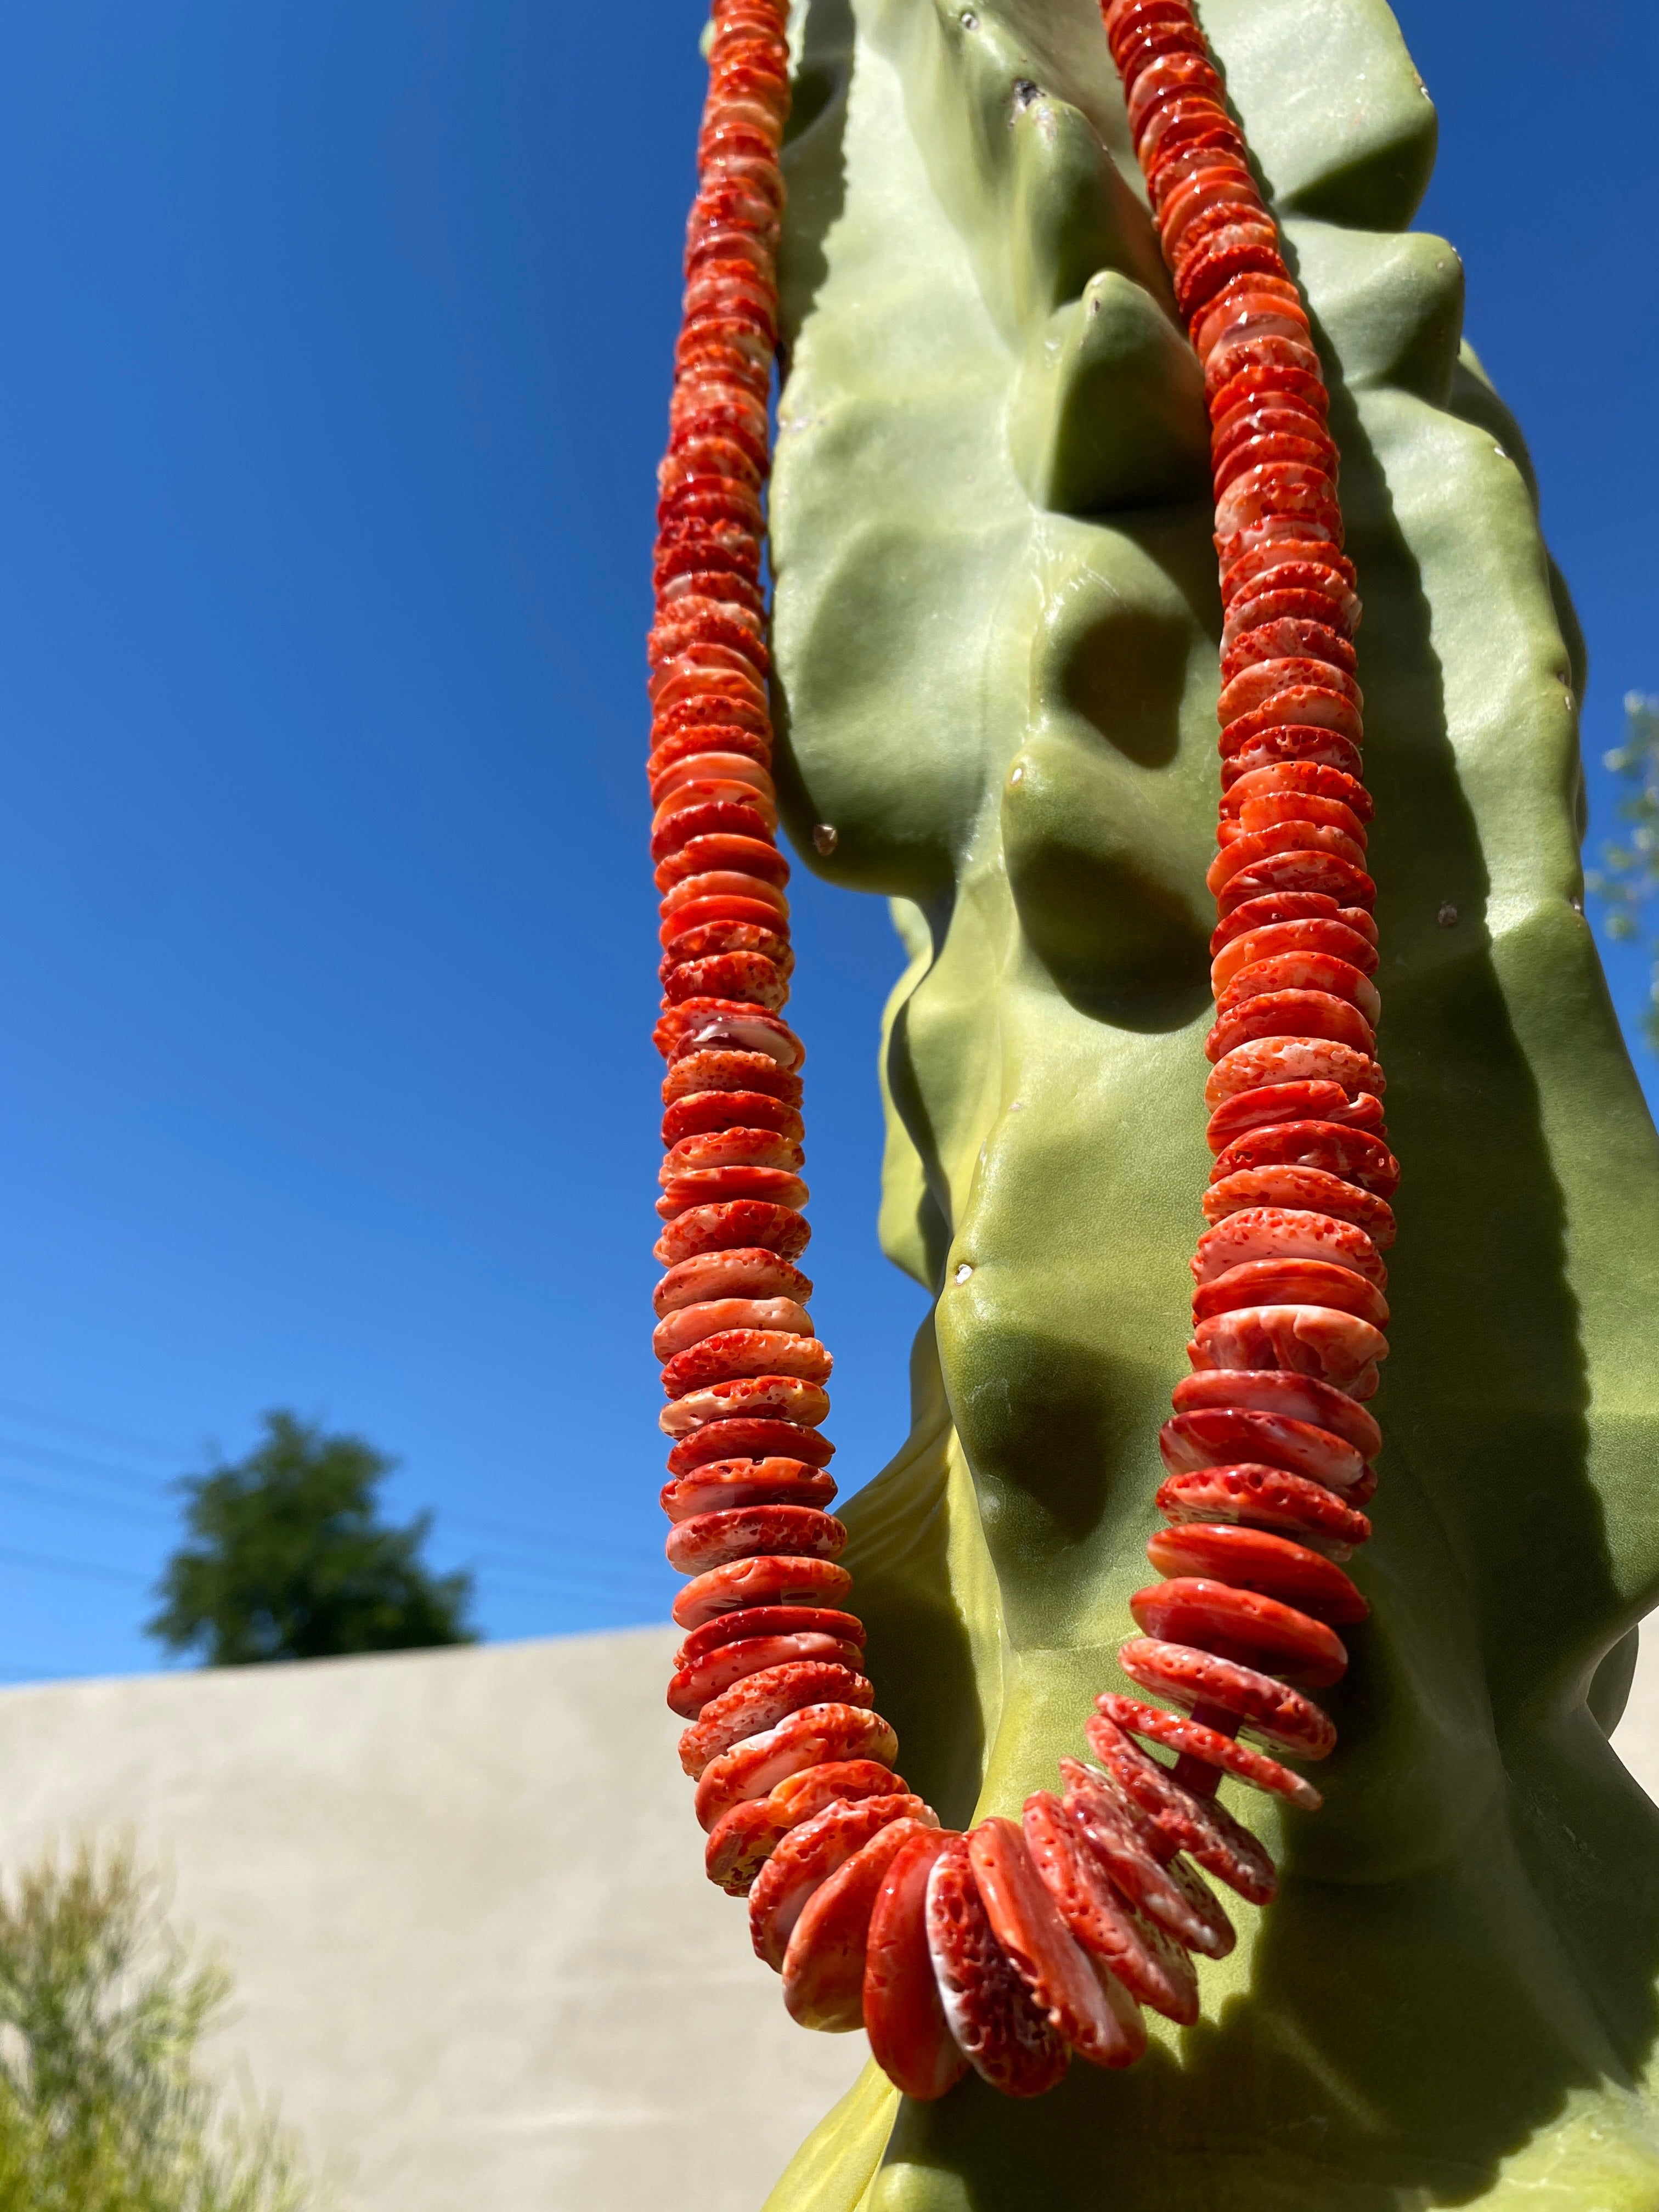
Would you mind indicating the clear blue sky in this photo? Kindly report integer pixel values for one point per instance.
(337, 348)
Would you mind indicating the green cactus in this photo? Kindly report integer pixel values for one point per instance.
(996, 643)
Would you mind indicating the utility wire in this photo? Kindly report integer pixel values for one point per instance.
(76, 1501)
(37, 1417)
(579, 1567)
(85, 1569)
(42, 1456)
(519, 1533)
(606, 1560)
(618, 1557)
(579, 1572)
(38, 1456)
(540, 1590)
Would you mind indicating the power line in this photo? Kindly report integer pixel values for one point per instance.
(42, 1456)
(82, 1568)
(579, 1563)
(568, 1591)
(75, 1501)
(579, 1572)
(519, 1532)
(38, 1417)
(580, 1577)
(607, 1560)
(31, 1454)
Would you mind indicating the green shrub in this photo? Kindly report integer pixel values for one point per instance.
(1630, 883)
(102, 2108)
(289, 1560)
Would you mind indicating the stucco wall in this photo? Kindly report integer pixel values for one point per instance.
(463, 1896)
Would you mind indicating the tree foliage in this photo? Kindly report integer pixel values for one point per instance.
(1630, 879)
(102, 2108)
(289, 1560)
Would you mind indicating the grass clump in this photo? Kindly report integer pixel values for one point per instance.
(102, 2106)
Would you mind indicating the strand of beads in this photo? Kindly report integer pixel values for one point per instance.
(1041, 1937)
(794, 1768)
(1012, 1948)
(1269, 1449)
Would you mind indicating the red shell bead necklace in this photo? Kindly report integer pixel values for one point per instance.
(1020, 1944)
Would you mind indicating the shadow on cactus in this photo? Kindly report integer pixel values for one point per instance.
(996, 626)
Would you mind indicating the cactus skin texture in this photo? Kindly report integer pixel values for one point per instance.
(995, 633)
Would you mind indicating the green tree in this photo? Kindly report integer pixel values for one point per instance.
(1630, 878)
(101, 2105)
(289, 1560)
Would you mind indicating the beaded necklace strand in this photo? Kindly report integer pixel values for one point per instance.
(1012, 1948)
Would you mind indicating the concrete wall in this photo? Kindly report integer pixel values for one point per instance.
(463, 1895)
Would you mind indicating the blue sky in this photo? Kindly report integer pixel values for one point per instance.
(338, 341)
